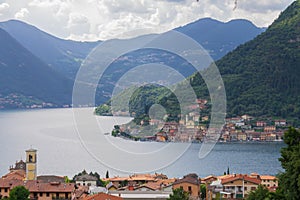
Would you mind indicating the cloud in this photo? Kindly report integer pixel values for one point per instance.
(77, 18)
(4, 7)
(78, 24)
(22, 13)
(106, 19)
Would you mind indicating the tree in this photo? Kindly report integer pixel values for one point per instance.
(289, 181)
(203, 191)
(107, 174)
(19, 193)
(261, 193)
(67, 180)
(179, 194)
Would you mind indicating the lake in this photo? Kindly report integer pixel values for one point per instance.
(69, 141)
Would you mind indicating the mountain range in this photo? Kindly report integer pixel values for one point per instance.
(261, 76)
(50, 64)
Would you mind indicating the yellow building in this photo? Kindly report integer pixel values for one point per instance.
(189, 183)
(31, 161)
(269, 181)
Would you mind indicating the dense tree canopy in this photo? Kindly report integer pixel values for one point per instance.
(289, 181)
(19, 193)
(179, 194)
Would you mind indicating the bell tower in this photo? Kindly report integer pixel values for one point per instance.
(31, 164)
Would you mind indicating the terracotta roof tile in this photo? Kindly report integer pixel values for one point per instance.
(15, 174)
(36, 186)
(241, 177)
(267, 177)
(102, 196)
(188, 179)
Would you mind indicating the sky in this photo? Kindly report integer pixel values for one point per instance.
(90, 20)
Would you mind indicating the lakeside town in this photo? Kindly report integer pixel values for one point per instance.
(90, 186)
(193, 127)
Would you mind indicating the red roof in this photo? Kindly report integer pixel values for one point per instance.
(36, 186)
(102, 196)
(6, 183)
(241, 177)
(15, 174)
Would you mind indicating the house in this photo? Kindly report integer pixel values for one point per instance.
(6, 185)
(240, 124)
(48, 191)
(208, 181)
(239, 185)
(281, 122)
(39, 190)
(269, 128)
(189, 183)
(133, 180)
(102, 196)
(213, 188)
(261, 123)
(241, 136)
(234, 120)
(246, 117)
(86, 179)
(269, 181)
(271, 137)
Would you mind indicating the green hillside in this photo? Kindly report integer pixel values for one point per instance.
(262, 76)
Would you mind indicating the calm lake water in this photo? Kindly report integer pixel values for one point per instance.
(68, 144)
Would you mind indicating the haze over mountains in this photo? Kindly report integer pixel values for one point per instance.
(50, 64)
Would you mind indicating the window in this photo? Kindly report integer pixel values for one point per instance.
(5, 189)
(253, 188)
(190, 189)
(41, 194)
(47, 194)
(245, 188)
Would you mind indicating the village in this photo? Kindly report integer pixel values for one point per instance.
(89, 186)
(193, 127)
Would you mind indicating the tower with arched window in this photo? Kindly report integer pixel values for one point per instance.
(31, 161)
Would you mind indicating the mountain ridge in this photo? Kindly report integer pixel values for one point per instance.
(24, 74)
(64, 56)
